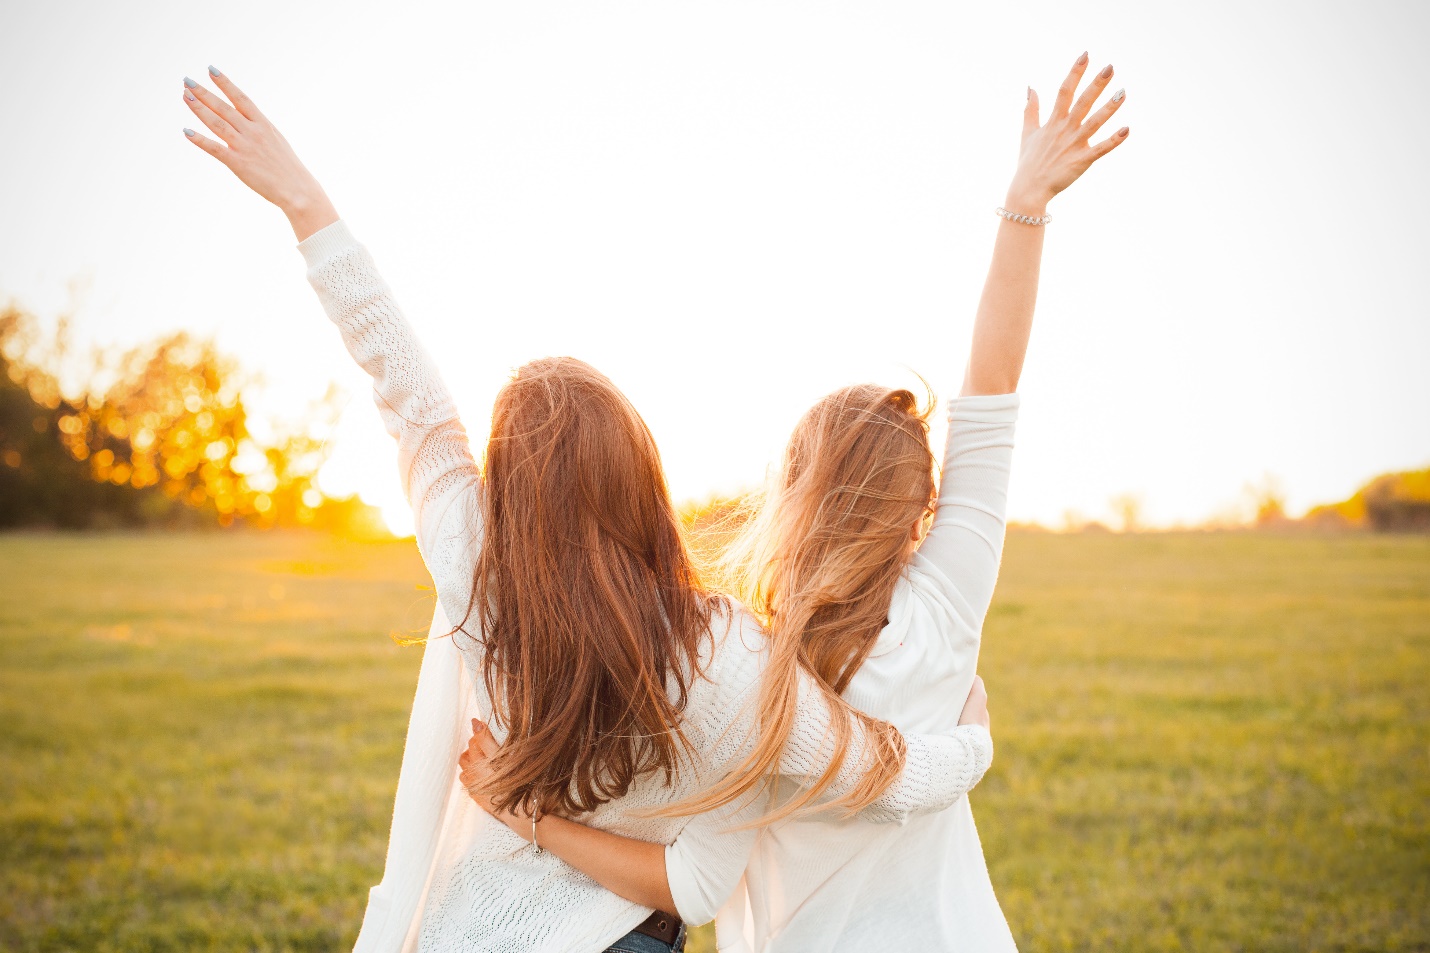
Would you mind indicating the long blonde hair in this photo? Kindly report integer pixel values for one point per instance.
(817, 562)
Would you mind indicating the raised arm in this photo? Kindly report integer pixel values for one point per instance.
(435, 461)
(1052, 156)
(965, 542)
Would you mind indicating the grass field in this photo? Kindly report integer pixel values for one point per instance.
(1206, 742)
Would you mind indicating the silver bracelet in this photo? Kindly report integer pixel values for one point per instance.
(1023, 219)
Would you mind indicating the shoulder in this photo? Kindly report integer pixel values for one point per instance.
(735, 654)
(921, 575)
(453, 509)
(927, 591)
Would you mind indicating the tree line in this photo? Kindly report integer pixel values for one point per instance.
(155, 436)
(1390, 503)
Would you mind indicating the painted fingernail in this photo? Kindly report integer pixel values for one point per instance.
(190, 97)
(188, 132)
(190, 83)
(1082, 60)
(1117, 96)
(1106, 72)
(213, 71)
(1122, 133)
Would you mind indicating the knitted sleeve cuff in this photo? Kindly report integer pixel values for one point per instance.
(327, 243)
(980, 744)
(984, 408)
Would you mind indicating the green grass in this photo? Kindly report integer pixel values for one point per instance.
(1211, 742)
(1206, 742)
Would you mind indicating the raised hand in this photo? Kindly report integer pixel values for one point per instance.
(256, 152)
(1056, 152)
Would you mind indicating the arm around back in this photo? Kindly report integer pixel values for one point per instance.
(937, 771)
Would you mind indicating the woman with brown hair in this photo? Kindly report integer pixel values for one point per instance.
(617, 685)
(868, 579)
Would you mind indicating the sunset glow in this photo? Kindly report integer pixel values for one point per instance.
(732, 209)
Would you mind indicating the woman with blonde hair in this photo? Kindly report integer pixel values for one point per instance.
(868, 579)
(616, 683)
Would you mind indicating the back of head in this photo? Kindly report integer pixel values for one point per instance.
(818, 563)
(589, 605)
(821, 559)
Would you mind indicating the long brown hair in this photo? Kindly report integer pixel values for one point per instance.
(818, 562)
(591, 611)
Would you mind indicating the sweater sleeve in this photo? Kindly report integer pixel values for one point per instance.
(965, 543)
(439, 475)
(705, 862)
(938, 769)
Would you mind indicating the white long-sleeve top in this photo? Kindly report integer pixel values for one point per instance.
(455, 878)
(830, 884)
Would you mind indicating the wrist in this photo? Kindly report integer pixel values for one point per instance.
(309, 211)
(518, 822)
(1027, 200)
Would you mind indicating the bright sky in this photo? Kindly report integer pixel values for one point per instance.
(732, 208)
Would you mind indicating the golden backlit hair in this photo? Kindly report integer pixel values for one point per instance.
(817, 563)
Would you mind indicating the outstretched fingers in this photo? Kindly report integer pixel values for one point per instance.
(214, 149)
(1063, 102)
(215, 102)
(1030, 113)
(195, 98)
(1093, 124)
(240, 101)
(1111, 142)
(1089, 96)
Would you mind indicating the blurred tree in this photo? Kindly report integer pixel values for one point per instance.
(1399, 502)
(1267, 501)
(40, 482)
(1128, 509)
(165, 442)
(1390, 503)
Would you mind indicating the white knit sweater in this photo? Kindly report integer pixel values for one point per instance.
(457, 879)
(828, 884)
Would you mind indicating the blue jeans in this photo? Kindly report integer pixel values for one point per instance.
(640, 943)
